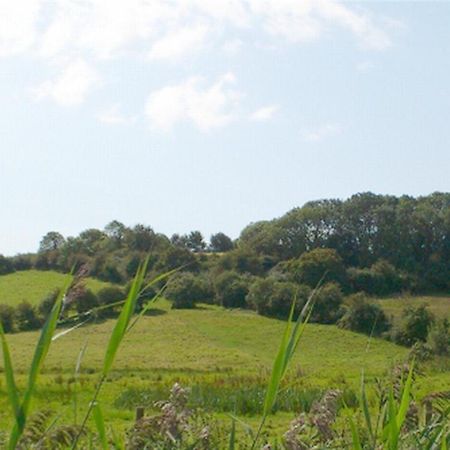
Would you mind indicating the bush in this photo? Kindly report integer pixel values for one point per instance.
(108, 296)
(185, 290)
(328, 304)
(414, 326)
(26, 317)
(6, 265)
(85, 301)
(270, 297)
(231, 289)
(7, 318)
(364, 316)
(312, 266)
(47, 303)
(381, 279)
(439, 338)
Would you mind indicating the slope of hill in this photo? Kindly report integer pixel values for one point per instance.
(34, 285)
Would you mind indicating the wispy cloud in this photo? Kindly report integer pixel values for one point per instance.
(264, 114)
(180, 43)
(207, 107)
(321, 132)
(71, 87)
(113, 116)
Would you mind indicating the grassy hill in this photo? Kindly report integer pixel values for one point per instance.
(438, 304)
(225, 355)
(34, 285)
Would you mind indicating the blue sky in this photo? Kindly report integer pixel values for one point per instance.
(210, 114)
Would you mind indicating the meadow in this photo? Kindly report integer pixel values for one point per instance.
(223, 355)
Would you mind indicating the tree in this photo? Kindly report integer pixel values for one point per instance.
(195, 242)
(115, 231)
(220, 242)
(320, 263)
(51, 241)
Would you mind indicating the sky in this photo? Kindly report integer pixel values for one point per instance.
(211, 114)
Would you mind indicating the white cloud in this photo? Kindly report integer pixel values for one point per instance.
(113, 116)
(233, 46)
(17, 25)
(265, 113)
(320, 133)
(179, 43)
(71, 86)
(206, 107)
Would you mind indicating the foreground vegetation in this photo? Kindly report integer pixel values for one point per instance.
(176, 415)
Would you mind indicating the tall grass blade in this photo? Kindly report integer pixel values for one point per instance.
(232, 443)
(406, 398)
(100, 424)
(365, 407)
(124, 318)
(40, 353)
(355, 435)
(11, 387)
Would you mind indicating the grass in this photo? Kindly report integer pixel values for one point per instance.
(225, 356)
(203, 348)
(438, 304)
(34, 285)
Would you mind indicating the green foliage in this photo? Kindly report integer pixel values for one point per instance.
(328, 304)
(6, 265)
(26, 317)
(231, 289)
(439, 338)
(7, 314)
(414, 326)
(86, 300)
(186, 289)
(271, 297)
(220, 242)
(311, 267)
(364, 316)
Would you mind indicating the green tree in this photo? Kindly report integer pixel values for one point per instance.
(51, 241)
(220, 243)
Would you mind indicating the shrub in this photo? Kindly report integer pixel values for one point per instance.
(231, 289)
(47, 303)
(312, 266)
(26, 317)
(328, 304)
(364, 316)
(6, 265)
(270, 297)
(107, 296)
(414, 326)
(85, 301)
(185, 290)
(381, 279)
(7, 318)
(439, 337)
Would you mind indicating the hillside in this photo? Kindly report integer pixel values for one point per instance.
(34, 285)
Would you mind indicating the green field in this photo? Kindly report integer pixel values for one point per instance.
(34, 285)
(438, 304)
(224, 355)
